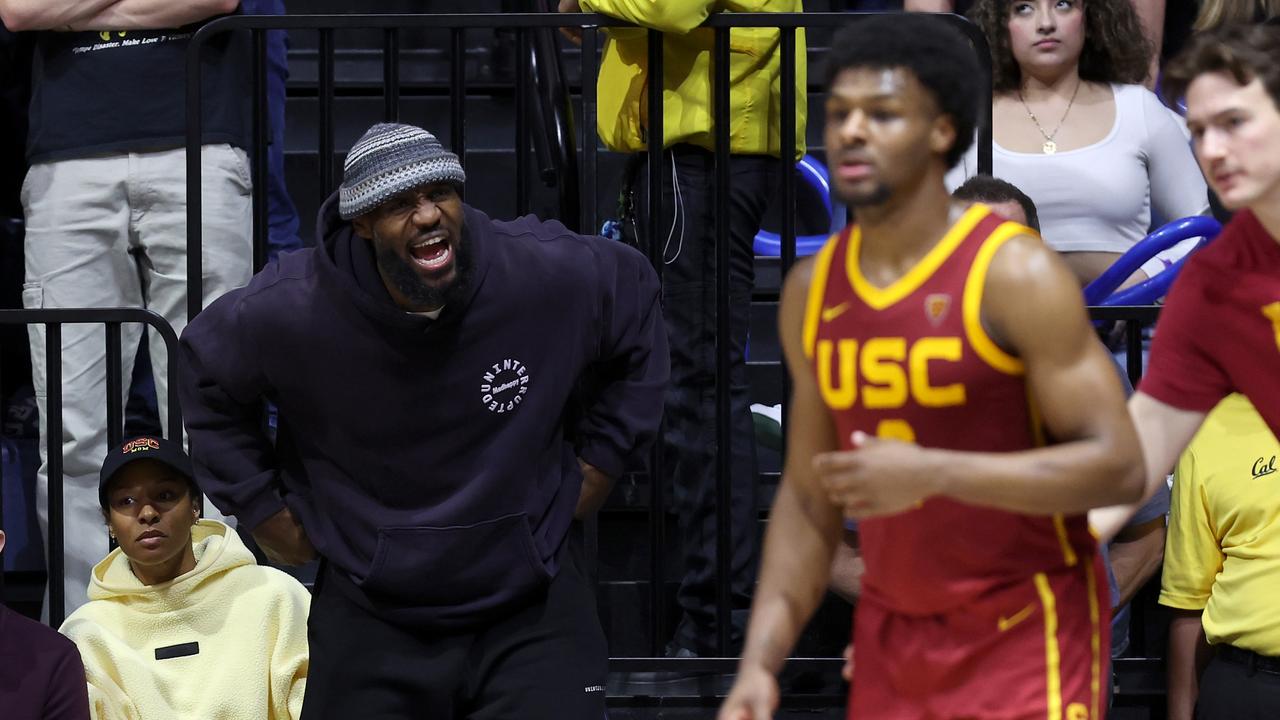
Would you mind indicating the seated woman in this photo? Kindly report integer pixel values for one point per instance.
(1074, 128)
(181, 623)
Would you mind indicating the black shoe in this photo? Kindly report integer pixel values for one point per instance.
(676, 682)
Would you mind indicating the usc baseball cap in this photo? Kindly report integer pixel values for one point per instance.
(145, 447)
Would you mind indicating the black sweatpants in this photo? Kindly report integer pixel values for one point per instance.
(1234, 691)
(547, 660)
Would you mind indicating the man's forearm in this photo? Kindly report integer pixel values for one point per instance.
(1134, 561)
(1163, 433)
(1188, 654)
(153, 14)
(1068, 478)
(27, 15)
(795, 571)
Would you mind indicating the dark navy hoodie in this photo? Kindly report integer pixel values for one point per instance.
(433, 463)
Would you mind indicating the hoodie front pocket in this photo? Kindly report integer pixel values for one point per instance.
(456, 565)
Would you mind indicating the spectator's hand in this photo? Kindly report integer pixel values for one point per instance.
(754, 695)
(573, 34)
(284, 541)
(596, 485)
(846, 670)
(877, 477)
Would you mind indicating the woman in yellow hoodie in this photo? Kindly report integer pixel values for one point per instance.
(181, 622)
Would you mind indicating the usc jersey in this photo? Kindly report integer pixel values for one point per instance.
(912, 362)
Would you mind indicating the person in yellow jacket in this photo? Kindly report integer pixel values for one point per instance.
(181, 622)
(686, 230)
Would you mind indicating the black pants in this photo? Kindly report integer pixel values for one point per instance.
(546, 661)
(687, 232)
(1234, 691)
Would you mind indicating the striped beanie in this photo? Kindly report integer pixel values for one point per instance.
(389, 159)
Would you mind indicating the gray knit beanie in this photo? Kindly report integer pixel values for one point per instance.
(389, 159)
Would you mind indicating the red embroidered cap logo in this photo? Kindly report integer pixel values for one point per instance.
(141, 445)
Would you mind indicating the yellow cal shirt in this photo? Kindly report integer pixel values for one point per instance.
(1223, 549)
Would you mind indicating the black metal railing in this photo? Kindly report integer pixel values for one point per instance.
(53, 320)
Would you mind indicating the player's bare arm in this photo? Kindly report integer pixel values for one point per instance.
(1032, 308)
(1163, 432)
(804, 527)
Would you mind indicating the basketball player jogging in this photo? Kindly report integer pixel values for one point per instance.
(933, 349)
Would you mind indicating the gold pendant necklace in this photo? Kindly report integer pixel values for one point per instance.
(1050, 147)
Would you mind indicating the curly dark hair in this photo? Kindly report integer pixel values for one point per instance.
(1115, 50)
(940, 57)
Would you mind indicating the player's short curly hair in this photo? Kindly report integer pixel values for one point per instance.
(940, 57)
(1115, 50)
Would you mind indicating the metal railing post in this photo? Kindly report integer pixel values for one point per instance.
(521, 101)
(325, 125)
(115, 385)
(724, 409)
(653, 243)
(787, 142)
(262, 136)
(391, 75)
(53, 453)
(458, 95)
(589, 69)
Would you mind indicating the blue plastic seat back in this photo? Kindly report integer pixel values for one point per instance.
(1102, 291)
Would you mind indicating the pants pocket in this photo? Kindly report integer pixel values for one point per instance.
(232, 161)
(33, 299)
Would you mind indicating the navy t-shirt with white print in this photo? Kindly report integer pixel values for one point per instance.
(109, 92)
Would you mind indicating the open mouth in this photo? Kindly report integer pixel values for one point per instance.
(432, 253)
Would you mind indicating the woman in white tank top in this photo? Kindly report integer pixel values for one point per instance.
(1074, 129)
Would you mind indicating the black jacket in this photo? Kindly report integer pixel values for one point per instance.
(432, 463)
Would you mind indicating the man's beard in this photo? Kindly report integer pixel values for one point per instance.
(879, 196)
(406, 279)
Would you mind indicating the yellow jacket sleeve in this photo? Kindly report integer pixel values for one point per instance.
(677, 16)
(108, 701)
(290, 658)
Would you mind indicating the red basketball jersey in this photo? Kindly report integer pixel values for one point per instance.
(912, 361)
